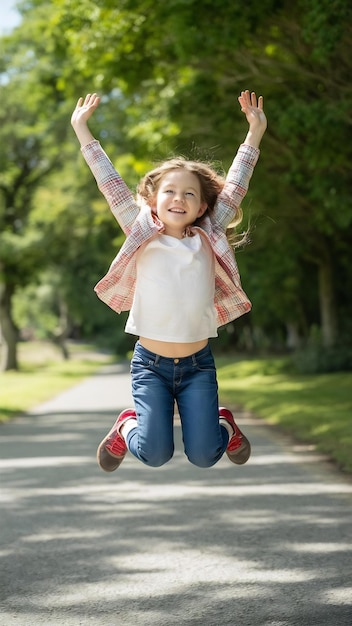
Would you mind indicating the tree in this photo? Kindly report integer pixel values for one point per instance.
(312, 63)
(191, 70)
(34, 123)
(30, 150)
(174, 88)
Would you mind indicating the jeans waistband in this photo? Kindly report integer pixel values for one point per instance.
(157, 358)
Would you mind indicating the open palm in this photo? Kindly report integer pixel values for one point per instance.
(85, 108)
(253, 109)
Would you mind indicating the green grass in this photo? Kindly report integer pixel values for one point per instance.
(316, 409)
(43, 374)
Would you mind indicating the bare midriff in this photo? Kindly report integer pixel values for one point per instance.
(172, 350)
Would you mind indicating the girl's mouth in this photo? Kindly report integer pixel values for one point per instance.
(176, 210)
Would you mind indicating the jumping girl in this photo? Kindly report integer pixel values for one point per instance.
(177, 276)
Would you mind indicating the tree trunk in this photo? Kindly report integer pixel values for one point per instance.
(62, 331)
(9, 335)
(328, 315)
(293, 339)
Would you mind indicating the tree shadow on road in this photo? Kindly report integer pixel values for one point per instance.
(264, 544)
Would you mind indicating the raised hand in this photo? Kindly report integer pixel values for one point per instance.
(253, 109)
(84, 109)
(256, 118)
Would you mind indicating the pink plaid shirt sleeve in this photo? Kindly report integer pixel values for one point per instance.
(119, 197)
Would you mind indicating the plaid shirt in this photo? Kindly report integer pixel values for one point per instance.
(140, 225)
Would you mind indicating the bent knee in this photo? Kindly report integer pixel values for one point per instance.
(202, 460)
(156, 460)
(204, 455)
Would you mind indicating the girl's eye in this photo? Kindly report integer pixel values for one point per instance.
(189, 193)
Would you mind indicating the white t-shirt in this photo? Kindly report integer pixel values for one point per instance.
(174, 294)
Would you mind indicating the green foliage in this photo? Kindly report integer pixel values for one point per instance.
(319, 360)
(170, 74)
(315, 358)
(323, 25)
(35, 309)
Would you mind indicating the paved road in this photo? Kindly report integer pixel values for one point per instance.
(265, 544)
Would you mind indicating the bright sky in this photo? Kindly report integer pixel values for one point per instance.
(8, 16)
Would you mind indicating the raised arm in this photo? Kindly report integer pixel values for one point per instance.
(241, 170)
(109, 181)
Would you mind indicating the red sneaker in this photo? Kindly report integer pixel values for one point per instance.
(112, 450)
(239, 448)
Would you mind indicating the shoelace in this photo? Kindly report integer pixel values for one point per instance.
(116, 445)
(235, 442)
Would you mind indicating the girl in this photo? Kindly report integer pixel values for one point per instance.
(177, 275)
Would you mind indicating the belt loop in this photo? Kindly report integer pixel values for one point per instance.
(194, 360)
(157, 359)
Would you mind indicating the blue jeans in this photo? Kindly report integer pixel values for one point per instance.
(157, 382)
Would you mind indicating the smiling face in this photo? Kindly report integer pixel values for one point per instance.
(178, 201)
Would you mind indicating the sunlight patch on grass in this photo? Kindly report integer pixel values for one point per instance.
(313, 408)
(43, 374)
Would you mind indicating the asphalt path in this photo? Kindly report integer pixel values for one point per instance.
(265, 544)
